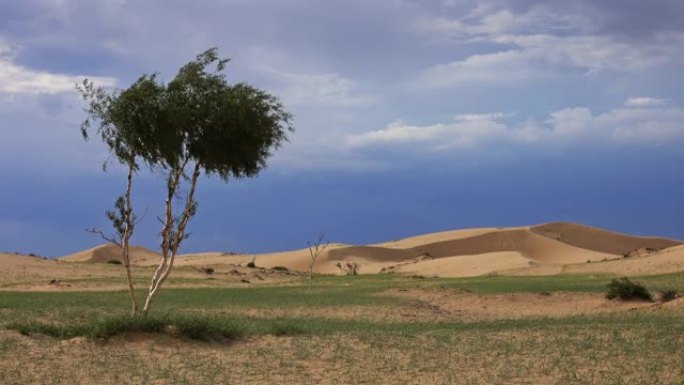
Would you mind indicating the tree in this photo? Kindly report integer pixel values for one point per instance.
(195, 125)
(315, 250)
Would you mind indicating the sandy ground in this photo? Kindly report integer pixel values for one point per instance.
(547, 249)
(456, 304)
(26, 273)
(569, 355)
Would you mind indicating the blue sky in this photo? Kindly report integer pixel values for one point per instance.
(411, 116)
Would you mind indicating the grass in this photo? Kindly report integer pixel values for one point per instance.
(615, 349)
(192, 326)
(641, 347)
(204, 326)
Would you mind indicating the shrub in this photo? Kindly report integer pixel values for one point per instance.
(668, 295)
(208, 270)
(114, 262)
(624, 289)
(280, 268)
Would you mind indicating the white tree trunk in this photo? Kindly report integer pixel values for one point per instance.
(172, 237)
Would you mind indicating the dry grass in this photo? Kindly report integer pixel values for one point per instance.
(349, 331)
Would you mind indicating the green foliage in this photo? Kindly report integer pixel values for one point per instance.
(624, 289)
(118, 216)
(208, 270)
(114, 262)
(228, 130)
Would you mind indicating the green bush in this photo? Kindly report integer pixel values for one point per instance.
(625, 290)
(208, 270)
(114, 262)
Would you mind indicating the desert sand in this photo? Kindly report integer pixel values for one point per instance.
(545, 249)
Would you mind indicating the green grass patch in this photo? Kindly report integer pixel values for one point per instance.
(208, 327)
(192, 326)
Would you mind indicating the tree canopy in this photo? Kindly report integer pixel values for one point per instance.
(229, 130)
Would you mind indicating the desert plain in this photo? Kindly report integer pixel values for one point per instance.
(520, 305)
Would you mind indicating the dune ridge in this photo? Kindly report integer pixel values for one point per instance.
(600, 240)
(110, 251)
(549, 248)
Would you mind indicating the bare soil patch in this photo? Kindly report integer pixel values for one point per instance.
(456, 304)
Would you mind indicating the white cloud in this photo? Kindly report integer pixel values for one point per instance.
(464, 131)
(16, 79)
(301, 88)
(566, 127)
(503, 66)
(645, 102)
(539, 42)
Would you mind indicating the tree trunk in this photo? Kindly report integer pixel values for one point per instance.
(172, 238)
(125, 239)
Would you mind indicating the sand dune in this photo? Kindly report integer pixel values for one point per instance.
(545, 249)
(467, 265)
(599, 240)
(425, 239)
(108, 252)
(10, 261)
(669, 260)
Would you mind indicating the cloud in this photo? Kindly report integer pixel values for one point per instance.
(16, 79)
(645, 102)
(540, 41)
(464, 131)
(301, 88)
(565, 127)
(486, 20)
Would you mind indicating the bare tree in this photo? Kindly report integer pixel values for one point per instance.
(315, 250)
(124, 221)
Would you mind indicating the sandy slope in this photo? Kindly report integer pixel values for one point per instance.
(108, 252)
(468, 265)
(425, 239)
(600, 240)
(545, 249)
(669, 260)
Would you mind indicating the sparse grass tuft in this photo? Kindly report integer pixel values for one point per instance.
(286, 327)
(624, 289)
(668, 295)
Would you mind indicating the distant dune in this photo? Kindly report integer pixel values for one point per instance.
(599, 240)
(544, 249)
(109, 251)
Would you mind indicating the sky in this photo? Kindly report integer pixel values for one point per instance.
(411, 117)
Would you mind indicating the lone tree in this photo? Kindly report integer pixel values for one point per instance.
(195, 125)
(315, 250)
